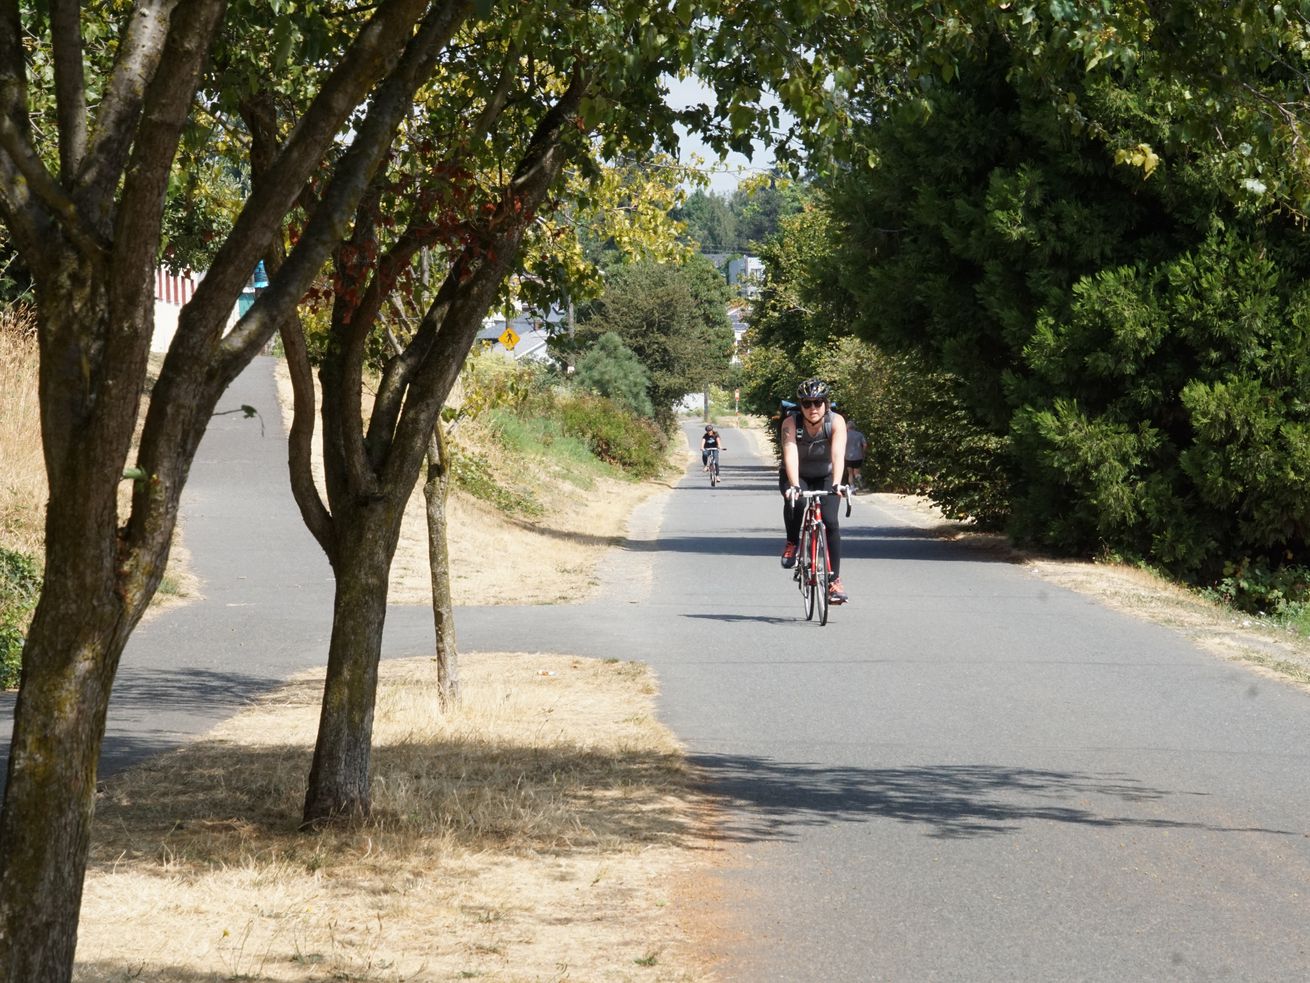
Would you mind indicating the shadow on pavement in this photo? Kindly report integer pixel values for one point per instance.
(766, 619)
(185, 689)
(765, 799)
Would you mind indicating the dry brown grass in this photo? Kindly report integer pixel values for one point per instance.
(533, 834)
(22, 479)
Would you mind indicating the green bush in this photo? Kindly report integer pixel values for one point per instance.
(610, 369)
(20, 586)
(473, 474)
(490, 382)
(1255, 588)
(615, 435)
(567, 455)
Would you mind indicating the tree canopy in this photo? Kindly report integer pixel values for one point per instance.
(1036, 208)
(673, 318)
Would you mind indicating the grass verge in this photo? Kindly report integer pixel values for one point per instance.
(534, 833)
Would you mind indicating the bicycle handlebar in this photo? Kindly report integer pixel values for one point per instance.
(844, 493)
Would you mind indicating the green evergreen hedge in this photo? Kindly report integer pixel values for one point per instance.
(20, 586)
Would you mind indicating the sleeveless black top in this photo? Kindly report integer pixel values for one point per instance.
(711, 441)
(814, 453)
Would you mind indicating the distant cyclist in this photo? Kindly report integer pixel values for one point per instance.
(813, 456)
(856, 444)
(710, 445)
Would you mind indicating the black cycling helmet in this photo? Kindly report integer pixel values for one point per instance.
(813, 389)
(709, 427)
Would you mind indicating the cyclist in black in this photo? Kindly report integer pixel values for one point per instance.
(813, 455)
(709, 442)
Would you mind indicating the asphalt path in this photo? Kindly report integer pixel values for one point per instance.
(968, 774)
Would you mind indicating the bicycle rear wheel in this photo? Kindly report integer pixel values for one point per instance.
(821, 574)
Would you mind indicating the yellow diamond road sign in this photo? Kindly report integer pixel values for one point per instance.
(509, 338)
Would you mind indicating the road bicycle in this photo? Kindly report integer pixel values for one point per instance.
(813, 566)
(713, 465)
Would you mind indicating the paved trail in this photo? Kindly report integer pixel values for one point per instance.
(967, 775)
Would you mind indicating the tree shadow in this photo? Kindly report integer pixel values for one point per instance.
(216, 804)
(763, 799)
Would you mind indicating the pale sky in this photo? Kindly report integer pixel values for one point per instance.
(736, 167)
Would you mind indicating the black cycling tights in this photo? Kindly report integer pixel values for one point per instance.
(792, 514)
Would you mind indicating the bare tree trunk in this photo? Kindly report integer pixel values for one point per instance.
(339, 776)
(86, 612)
(75, 644)
(436, 491)
(370, 472)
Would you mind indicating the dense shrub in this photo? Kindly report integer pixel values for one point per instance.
(1139, 349)
(921, 439)
(524, 401)
(491, 382)
(611, 369)
(615, 435)
(1257, 589)
(20, 586)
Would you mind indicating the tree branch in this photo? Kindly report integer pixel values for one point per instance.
(355, 170)
(32, 195)
(192, 377)
(452, 322)
(70, 84)
(139, 54)
(499, 97)
(260, 116)
(165, 109)
(22, 213)
(372, 55)
(300, 440)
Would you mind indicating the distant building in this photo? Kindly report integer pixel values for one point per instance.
(736, 317)
(533, 331)
(174, 290)
(746, 273)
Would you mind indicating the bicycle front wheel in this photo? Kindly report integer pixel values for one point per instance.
(805, 576)
(821, 575)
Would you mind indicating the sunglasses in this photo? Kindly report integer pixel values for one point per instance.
(809, 404)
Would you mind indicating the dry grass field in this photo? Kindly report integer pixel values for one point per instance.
(22, 475)
(537, 832)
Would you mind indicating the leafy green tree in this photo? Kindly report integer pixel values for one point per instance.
(710, 222)
(519, 97)
(920, 437)
(1115, 315)
(741, 221)
(674, 318)
(609, 368)
(760, 204)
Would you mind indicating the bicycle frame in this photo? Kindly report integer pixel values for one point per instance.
(813, 565)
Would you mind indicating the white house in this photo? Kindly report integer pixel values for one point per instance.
(746, 273)
(533, 333)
